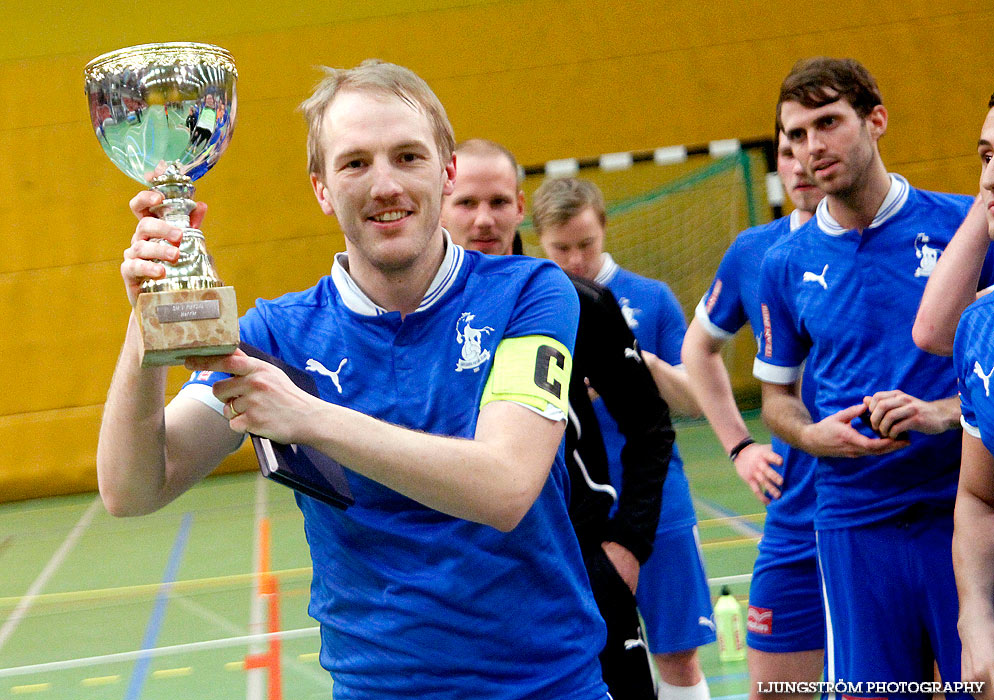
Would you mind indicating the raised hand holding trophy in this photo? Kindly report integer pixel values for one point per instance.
(164, 114)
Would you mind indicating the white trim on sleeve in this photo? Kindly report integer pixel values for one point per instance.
(204, 394)
(774, 374)
(701, 314)
(551, 412)
(969, 429)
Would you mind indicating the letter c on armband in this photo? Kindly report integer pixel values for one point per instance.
(543, 363)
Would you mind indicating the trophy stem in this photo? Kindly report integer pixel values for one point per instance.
(195, 268)
(175, 211)
(177, 195)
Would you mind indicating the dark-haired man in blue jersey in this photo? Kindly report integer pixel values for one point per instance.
(442, 376)
(786, 621)
(840, 294)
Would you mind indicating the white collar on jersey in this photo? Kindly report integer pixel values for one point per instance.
(795, 220)
(356, 300)
(897, 195)
(609, 268)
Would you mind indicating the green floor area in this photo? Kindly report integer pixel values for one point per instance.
(81, 591)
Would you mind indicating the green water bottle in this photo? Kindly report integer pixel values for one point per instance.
(730, 624)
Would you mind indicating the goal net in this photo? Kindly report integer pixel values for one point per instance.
(672, 219)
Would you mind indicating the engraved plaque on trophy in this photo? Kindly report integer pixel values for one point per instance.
(164, 114)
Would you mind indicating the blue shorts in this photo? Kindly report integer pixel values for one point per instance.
(673, 594)
(890, 600)
(785, 607)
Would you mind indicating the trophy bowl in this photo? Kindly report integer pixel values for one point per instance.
(157, 105)
(164, 114)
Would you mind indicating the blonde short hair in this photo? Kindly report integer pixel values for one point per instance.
(559, 199)
(374, 75)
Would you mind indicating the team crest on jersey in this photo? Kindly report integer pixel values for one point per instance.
(473, 354)
(628, 311)
(713, 298)
(760, 620)
(985, 378)
(926, 254)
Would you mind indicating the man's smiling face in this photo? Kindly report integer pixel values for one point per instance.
(383, 178)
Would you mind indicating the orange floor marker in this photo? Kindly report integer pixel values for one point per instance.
(269, 588)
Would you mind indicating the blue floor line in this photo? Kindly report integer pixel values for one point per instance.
(140, 673)
(731, 514)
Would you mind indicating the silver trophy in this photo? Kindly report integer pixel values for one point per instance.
(164, 114)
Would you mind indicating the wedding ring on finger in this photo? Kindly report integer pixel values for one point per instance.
(234, 412)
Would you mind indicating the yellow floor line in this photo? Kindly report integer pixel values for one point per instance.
(34, 688)
(754, 517)
(730, 542)
(172, 672)
(149, 588)
(99, 680)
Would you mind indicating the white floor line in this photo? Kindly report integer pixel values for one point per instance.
(208, 615)
(255, 681)
(158, 651)
(290, 662)
(742, 527)
(50, 568)
(729, 580)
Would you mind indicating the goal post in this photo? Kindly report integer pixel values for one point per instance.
(673, 212)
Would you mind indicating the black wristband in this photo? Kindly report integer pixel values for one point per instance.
(741, 446)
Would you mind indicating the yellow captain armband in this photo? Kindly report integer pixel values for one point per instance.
(533, 370)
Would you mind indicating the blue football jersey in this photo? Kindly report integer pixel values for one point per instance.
(973, 357)
(845, 302)
(656, 319)
(731, 301)
(413, 602)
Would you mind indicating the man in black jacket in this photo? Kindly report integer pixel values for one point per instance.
(482, 213)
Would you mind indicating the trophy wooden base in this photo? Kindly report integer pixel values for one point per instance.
(176, 325)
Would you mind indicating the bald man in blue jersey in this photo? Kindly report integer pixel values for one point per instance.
(442, 376)
(482, 213)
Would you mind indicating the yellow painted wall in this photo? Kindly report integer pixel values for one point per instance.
(550, 79)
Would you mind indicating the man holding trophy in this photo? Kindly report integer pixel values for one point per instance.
(442, 376)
